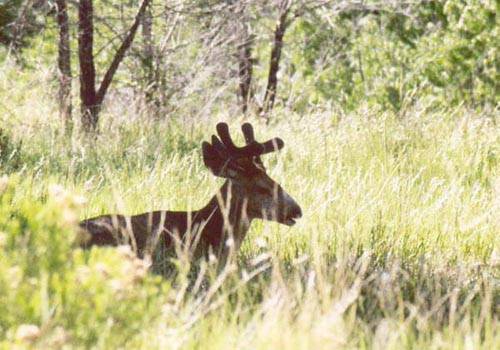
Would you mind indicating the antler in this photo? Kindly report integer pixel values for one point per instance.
(252, 148)
(219, 155)
(247, 129)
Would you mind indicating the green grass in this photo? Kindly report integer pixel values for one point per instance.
(398, 247)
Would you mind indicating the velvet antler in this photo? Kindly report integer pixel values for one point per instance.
(219, 154)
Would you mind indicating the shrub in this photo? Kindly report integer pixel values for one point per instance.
(51, 292)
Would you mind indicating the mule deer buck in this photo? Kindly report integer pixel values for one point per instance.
(248, 193)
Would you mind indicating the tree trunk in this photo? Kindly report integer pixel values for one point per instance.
(19, 26)
(148, 56)
(274, 65)
(120, 53)
(92, 99)
(64, 65)
(89, 107)
(245, 68)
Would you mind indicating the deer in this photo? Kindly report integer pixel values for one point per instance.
(219, 227)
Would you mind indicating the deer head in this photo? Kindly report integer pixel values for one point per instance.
(243, 168)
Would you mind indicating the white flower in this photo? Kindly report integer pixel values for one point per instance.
(28, 332)
(260, 242)
(4, 181)
(212, 259)
(3, 239)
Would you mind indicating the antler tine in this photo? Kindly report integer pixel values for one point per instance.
(219, 147)
(274, 144)
(247, 129)
(223, 131)
(252, 149)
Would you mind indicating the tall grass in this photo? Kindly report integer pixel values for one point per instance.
(398, 247)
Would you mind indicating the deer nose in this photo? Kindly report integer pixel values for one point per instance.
(295, 212)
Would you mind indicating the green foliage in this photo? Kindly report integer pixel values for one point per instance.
(466, 68)
(19, 21)
(446, 51)
(8, 14)
(61, 293)
(443, 51)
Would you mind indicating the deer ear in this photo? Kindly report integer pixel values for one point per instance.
(217, 165)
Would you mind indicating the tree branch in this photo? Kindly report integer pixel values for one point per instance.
(120, 54)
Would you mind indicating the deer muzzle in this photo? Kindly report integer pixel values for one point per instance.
(289, 210)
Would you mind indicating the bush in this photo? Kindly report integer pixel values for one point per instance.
(52, 293)
(444, 51)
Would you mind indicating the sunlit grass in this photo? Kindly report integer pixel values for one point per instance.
(398, 246)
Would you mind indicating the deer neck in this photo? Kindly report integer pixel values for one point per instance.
(225, 218)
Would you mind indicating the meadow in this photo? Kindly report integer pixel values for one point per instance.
(398, 246)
